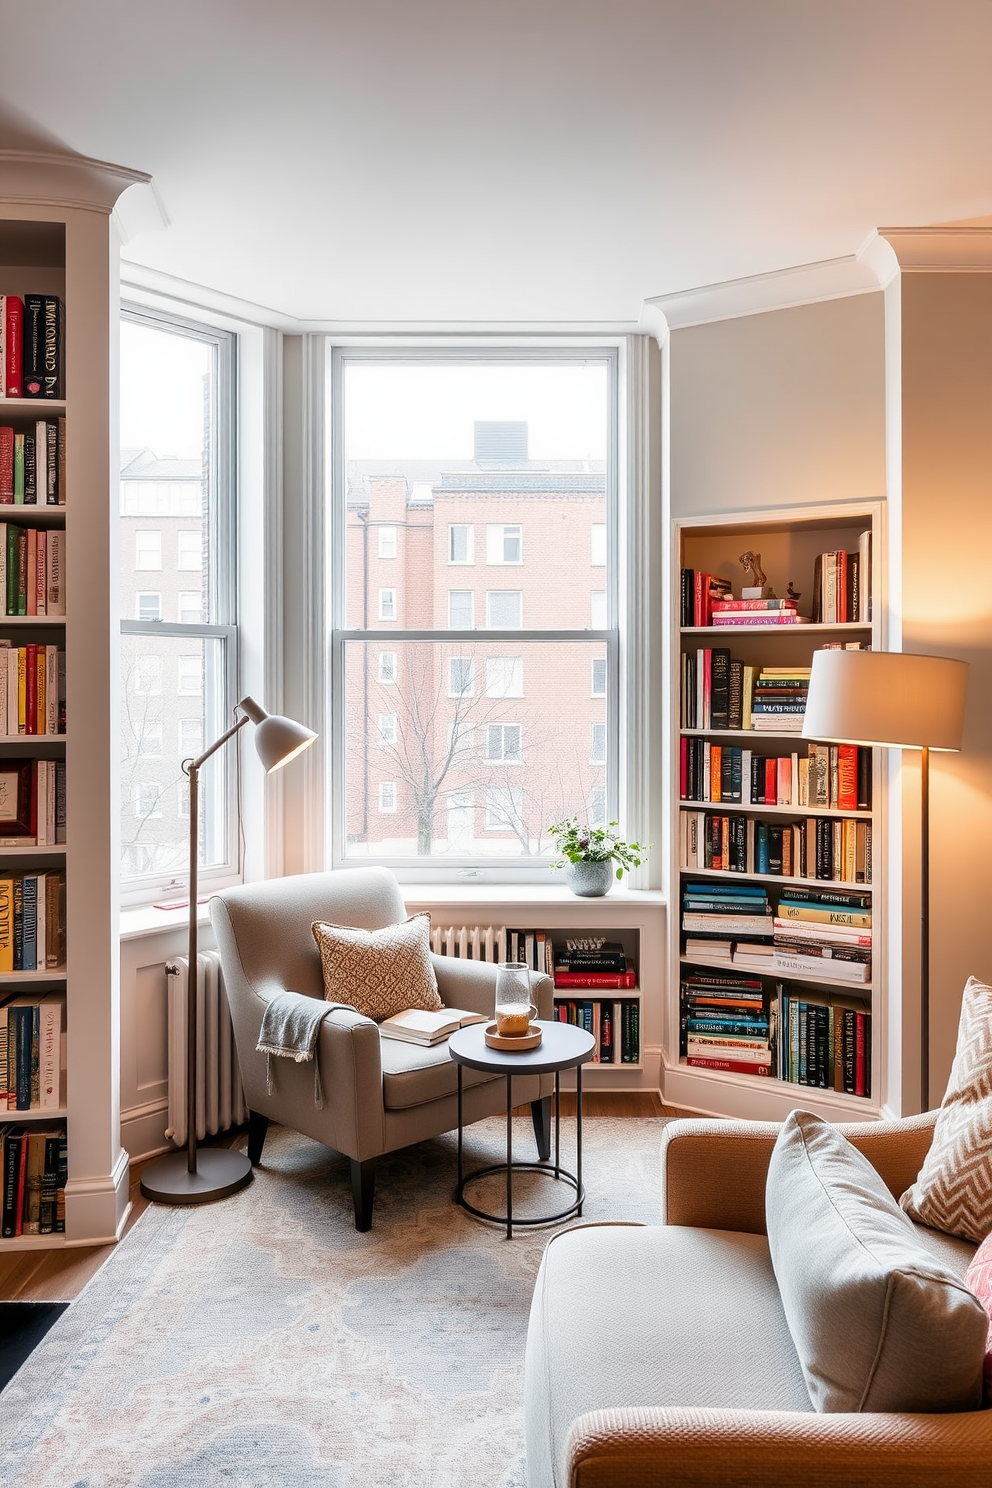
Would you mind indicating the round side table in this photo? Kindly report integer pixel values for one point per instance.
(562, 1047)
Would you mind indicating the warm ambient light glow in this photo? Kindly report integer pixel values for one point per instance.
(888, 698)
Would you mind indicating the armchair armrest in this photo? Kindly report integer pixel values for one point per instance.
(713, 1172)
(695, 1448)
(472, 985)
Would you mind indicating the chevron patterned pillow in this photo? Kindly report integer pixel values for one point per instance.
(953, 1192)
(979, 1278)
(379, 972)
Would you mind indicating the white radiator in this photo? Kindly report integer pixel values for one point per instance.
(220, 1100)
(489, 943)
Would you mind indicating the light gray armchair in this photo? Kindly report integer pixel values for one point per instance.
(379, 1094)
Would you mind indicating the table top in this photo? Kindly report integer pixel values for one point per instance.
(563, 1046)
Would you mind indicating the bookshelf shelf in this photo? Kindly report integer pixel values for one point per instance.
(792, 545)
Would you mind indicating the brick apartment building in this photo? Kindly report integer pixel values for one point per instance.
(466, 744)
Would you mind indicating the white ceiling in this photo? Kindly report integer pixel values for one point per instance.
(509, 161)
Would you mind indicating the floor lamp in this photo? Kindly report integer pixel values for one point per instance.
(193, 1177)
(896, 701)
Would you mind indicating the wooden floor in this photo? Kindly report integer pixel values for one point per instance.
(60, 1275)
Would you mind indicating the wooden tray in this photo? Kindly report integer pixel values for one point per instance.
(518, 1042)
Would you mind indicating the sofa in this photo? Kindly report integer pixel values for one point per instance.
(662, 1355)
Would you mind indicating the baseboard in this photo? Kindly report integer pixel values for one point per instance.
(143, 1130)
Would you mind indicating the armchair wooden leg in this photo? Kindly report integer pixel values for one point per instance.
(363, 1191)
(540, 1111)
(258, 1125)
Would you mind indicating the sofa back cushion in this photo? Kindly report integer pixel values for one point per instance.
(878, 1323)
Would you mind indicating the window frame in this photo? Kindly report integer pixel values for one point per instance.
(219, 596)
(620, 480)
(468, 527)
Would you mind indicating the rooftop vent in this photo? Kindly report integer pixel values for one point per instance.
(500, 445)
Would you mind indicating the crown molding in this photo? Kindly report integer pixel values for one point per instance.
(41, 178)
(956, 250)
(868, 270)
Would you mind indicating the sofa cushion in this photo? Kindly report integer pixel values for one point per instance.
(954, 1189)
(979, 1278)
(413, 1074)
(652, 1316)
(379, 972)
(878, 1323)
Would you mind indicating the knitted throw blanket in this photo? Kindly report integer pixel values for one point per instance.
(289, 1029)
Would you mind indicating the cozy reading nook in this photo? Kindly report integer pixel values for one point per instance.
(786, 471)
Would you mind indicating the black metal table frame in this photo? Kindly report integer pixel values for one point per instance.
(549, 1169)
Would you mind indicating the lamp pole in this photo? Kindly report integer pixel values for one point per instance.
(925, 930)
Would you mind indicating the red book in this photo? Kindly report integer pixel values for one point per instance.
(31, 688)
(847, 777)
(771, 782)
(735, 1066)
(32, 589)
(707, 686)
(41, 574)
(13, 378)
(683, 768)
(842, 615)
(624, 979)
(761, 606)
(860, 1063)
(700, 597)
(6, 465)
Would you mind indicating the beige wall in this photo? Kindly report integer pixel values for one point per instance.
(769, 410)
(946, 416)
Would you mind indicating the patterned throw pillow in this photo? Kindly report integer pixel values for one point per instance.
(953, 1192)
(379, 972)
(979, 1278)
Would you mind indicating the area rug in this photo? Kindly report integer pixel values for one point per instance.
(261, 1342)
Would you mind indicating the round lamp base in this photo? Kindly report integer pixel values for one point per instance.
(219, 1173)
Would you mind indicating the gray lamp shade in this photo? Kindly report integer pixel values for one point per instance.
(279, 739)
(886, 698)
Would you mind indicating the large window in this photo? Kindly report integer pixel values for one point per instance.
(501, 466)
(179, 664)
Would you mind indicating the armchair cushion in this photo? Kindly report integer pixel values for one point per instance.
(379, 972)
(953, 1192)
(878, 1323)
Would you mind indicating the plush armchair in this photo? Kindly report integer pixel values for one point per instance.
(379, 1094)
(660, 1354)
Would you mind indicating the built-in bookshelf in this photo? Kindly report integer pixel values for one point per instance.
(505, 923)
(59, 964)
(775, 933)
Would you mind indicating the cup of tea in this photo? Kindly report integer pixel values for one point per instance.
(514, 1009)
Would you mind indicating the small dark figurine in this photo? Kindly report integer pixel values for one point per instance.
(791, 593)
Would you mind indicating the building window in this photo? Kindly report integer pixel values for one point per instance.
(190, 607)
(147, 550)
(504, 609)
(148, 676)
(597, 544)
(190, 675)
(387, 542)
(387, 796)
(461, 676)
(388, 729)
(387, 668)
(504, 543)
(465, 479)
(598, 616)
(189, 550)
(178, 436)
(599, 676)
(461, 609)
(504, 808)
(150, 742)
(460, 542)
(504, 676)
(598, 756)
(597, 806)
(387, 604)
(503, 743)
(147, 605)
(147, 800)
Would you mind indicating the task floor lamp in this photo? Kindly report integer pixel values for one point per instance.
(194, 1177)
(897, 701)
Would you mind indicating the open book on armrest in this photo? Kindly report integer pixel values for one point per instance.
(414, 1026)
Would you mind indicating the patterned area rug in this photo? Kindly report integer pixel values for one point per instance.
(261, 1342)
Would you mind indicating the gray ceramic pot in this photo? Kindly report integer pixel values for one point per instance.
(589, 880)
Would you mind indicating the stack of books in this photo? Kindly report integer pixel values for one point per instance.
(824, 932)
(33, 1174)
(754, 613)
(614, 1025)
(842, 585)
(725, 1024)
(416, 1026)
(596, 964)
(699, 592)
(778, 704)
(720, 920)
(823, 1043)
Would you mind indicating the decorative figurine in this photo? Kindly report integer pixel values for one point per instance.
(758, 587)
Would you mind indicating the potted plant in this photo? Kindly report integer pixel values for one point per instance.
(588, 855)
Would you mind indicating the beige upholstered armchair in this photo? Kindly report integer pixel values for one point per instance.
(379, 1094)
